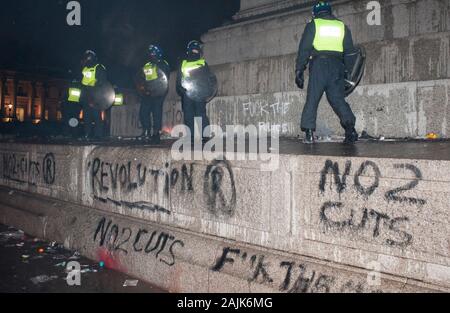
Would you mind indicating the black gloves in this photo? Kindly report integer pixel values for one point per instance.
(299, 79)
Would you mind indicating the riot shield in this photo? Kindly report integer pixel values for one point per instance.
(153, 88)
(101, 97)
(355, 72)
(200, 85)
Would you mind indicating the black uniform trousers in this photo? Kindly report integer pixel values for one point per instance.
(153, 106)
(91, 117)
(191, 110)
(326, 74)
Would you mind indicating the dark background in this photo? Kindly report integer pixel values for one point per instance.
(35, 37)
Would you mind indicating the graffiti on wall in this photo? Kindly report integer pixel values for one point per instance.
(262, 108)
(118, 239)
(387, 228)
(22, 169)
(297, 277)
(265, 111)
(113, 182)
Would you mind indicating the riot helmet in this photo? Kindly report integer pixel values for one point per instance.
(321, 8)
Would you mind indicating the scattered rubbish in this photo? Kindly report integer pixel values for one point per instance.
(75, 256)
(88, 270)
(432, 136)
(62, 264)
(52, 248)
(59, 257)
(42, 279)
(11, 192)
(13, 234)
(130, 283)
(382, 138)
(20, 245)
(25, 256)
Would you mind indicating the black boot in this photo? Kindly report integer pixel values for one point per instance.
(351, 136)
(156, 139)
(309, 136)
(145, 135)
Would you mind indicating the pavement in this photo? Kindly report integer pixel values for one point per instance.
(30, 265)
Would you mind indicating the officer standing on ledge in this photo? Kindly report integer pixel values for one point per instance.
(94, 74)
(153, 104)
(191, 108)
(324, 43)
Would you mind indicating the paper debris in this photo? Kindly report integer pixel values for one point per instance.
(130, 283)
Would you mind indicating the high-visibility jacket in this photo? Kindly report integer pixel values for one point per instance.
(329, 35)
(74, 95)
(151, 71)
(90, 75)
(188, 66)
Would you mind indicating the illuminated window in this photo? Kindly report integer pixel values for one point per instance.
(20, 114)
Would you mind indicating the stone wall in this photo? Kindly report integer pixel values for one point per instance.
(345, 213)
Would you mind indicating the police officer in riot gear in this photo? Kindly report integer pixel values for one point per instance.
(150, 103)
(192, 109)
(94, 74)
(324, 43)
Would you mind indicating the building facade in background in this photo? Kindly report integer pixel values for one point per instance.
(33, 98)
(30, 98)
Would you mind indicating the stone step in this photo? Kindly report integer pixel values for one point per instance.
(351, 206)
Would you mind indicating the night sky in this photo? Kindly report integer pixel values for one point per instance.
(36, 38)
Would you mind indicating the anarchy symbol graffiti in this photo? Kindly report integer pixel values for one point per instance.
(214, 188)
(49, 169)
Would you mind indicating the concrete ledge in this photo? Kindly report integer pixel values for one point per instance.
(182, 261)
(350, 212)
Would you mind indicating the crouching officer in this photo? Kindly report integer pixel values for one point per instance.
(94, 74)
(72, 109)
(151, 103)
(191, 108)
(324, 43)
